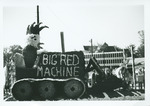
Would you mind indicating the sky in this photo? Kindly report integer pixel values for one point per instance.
(116, 25)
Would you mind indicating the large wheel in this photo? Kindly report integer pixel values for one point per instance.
(46, 89)
(22, 90)
(74, 89)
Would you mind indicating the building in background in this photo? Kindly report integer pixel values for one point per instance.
(107, 56)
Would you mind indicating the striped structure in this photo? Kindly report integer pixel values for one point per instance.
(106, 58)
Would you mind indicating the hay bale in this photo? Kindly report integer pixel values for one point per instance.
(73, 89)
(22, 90)
(46, 89)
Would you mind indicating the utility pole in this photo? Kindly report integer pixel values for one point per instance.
(124, 56)
(133, 67)
(37, 14)
(104, 59)
(91, 46)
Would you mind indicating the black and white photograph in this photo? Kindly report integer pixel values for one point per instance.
(76, 51)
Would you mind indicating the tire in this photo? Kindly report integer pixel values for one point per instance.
(46, 90)
(22, 90)
(74, 89)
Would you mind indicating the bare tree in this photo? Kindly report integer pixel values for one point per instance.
(141, 48)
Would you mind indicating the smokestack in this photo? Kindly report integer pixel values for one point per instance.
(62, 42)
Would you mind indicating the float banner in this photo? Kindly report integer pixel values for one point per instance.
(61, 65)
